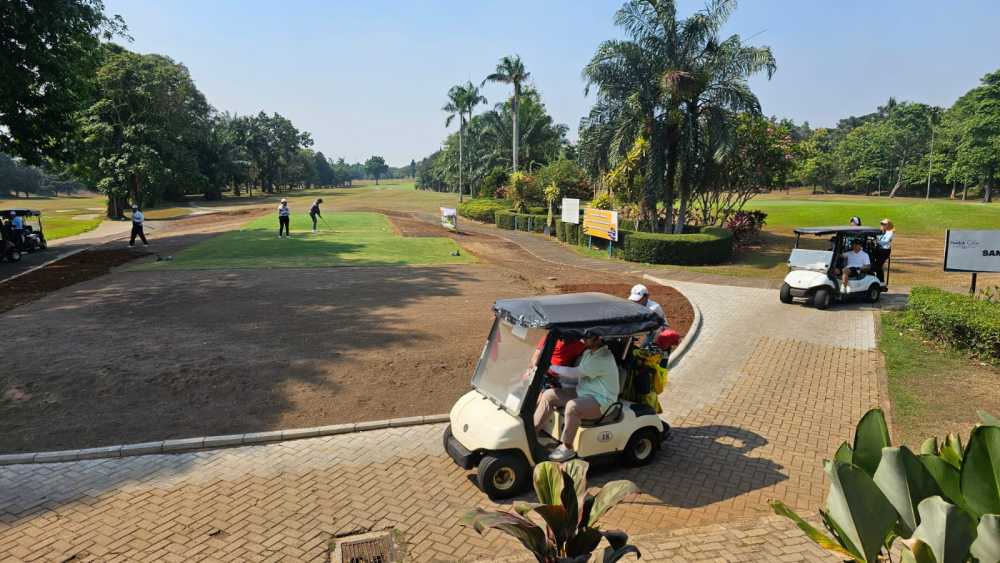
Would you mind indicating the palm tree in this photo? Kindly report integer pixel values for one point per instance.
(510, 70)
(470, 100)
(456, 108)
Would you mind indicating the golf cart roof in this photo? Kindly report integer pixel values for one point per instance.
(847, 229)
(21, 212)
(580, 314)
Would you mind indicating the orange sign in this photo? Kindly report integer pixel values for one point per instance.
(600, 223)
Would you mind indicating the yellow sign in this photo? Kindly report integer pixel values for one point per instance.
(600, 223)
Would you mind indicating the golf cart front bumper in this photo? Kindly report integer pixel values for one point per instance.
(458, 453)
(798, 292)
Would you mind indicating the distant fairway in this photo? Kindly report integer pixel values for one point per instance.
(357, 239)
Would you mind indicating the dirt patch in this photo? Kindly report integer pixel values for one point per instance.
(139, 356)
(678, 309)
(71, 270)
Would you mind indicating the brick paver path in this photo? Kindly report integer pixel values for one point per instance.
(765, 394)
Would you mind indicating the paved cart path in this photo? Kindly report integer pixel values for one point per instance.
(765, 393)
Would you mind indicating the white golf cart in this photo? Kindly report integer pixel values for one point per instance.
(815, 274)
(491, 425)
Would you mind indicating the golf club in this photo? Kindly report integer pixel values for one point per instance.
(327, 224)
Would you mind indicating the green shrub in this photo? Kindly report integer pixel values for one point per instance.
(495, 179)
(567, 176)
(711, 246)
(959, 319)
(537, 210)
(520, 221)
(482, 209)
(524, 191)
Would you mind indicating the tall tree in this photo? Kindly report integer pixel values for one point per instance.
(510, 70)
(456, 108)
(376, 167)
(978, 151)
(50, 52)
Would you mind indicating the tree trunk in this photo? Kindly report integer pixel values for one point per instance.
(687, 173)
(988, 191)
(965, 190)
(461, 133)
(668, 183)
(930, 161)
(134, 188)
(517, 103)
(899, 182)
(954, 185)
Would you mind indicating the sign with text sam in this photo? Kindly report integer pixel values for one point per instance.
(600, 223)
(972, 251)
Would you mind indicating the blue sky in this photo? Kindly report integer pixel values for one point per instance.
(369, 77)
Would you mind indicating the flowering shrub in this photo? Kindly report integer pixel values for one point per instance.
(746, 226)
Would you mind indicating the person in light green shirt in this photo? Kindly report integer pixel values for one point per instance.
(588, 390)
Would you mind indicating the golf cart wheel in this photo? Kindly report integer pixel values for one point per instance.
(14, 256)
(821, 298)
(874, 292)
(641, 447)
(503, 475)
(43, 244)
(786, 293)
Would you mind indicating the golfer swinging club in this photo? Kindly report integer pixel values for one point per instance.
(314, 212)
(284, 217)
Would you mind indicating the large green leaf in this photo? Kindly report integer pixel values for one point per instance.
(988, 419)
(548, 481)
(610, 495)
(870, 437)
(905, 482)
(821, 539)
(858, 507)
(952, 450)
(981, 471)
(918, 552)
(948, 479)
(530, 535)
(929, 446)
(986, 548)
(577, 470)
(523, 508)
(845, 453)
(569, 502)
(946, 529)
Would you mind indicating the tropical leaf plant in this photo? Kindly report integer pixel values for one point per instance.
(570, 515)
(943, 503)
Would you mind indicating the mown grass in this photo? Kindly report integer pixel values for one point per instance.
(933, 388)
(345, 239)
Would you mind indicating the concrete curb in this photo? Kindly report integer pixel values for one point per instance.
(692, 333)
(184, 445)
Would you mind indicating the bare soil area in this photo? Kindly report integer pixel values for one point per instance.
(138, 356)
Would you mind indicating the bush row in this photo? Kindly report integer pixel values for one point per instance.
(961, 320)
(482, 209)
(711, 245)
(521, 221)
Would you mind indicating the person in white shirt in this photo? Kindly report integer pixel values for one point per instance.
(884, 248)
(16, 225)
(855, 261)
(137, 220)
(640, 295)
(284, 218)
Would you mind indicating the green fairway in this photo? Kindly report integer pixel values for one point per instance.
(911, 216)
(347, 239)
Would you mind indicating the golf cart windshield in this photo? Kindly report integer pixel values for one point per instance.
(504, 372)
(815, 260)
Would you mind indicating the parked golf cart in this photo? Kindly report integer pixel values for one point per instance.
(814, 273)
(491, 427)
(32, 237)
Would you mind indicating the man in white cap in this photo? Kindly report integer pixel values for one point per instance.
(640, 295)
(137, 221)
(284, 218)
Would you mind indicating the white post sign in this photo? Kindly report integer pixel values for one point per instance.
(972, 251)
(449, 218)
(570, 210)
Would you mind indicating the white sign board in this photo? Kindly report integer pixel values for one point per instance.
(449, 218)
(571, 211)
(972, 251)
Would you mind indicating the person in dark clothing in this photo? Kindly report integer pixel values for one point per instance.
(314, 212)
(137, 220)
(284, 219)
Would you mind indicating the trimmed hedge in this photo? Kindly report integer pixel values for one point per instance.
(520, 221)
(568, 232)
(961, 320)
(482, 209)
(712, 245)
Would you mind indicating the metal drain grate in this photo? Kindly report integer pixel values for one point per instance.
(366, 548)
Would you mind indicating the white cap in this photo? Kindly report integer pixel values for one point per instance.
(283, 200)
(638, 292)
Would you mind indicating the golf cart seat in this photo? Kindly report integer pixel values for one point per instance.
(612, 415)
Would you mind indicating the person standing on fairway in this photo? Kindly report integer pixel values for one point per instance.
(284, 219)
(137, 220)
(314, 212)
